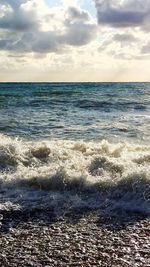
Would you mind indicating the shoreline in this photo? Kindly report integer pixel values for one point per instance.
(77, 239)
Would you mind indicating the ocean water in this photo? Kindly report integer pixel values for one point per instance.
(75, 145)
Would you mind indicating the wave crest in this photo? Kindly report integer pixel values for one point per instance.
(118, 172)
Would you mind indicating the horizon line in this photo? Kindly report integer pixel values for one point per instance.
(74, 82)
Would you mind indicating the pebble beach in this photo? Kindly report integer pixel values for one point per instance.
(77, 239)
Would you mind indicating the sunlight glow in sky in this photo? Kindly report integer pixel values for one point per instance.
(72, 40)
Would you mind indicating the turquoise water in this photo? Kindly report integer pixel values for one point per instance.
(66, 145)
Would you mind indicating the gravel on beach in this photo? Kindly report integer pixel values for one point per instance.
(76, 239)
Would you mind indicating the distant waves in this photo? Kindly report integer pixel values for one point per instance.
(64, 110)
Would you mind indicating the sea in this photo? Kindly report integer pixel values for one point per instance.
(67, 146)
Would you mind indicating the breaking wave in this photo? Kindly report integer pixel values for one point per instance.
(65, 173)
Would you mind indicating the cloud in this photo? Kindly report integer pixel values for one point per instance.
(29, 26)
(16, 17)
(125, 38)
(79, 29)
(146, 48)
(124, 14)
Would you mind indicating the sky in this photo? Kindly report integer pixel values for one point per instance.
(72, 40)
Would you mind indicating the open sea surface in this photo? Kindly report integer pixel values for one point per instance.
(82, 145)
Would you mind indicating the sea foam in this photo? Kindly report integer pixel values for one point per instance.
(65, 173)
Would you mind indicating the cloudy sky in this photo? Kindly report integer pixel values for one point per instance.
(71, 40)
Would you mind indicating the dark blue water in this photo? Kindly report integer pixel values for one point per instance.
(75, 110)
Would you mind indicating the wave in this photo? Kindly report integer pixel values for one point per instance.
(93, 174)
(119, 105)
(65, 92)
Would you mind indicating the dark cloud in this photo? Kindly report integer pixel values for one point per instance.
(19, 21)
(77, 30)
(80, 34)
(129, 13)
(17, 18)
(45, 42)
(77, 14)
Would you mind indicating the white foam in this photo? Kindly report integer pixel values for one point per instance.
(57, 172)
